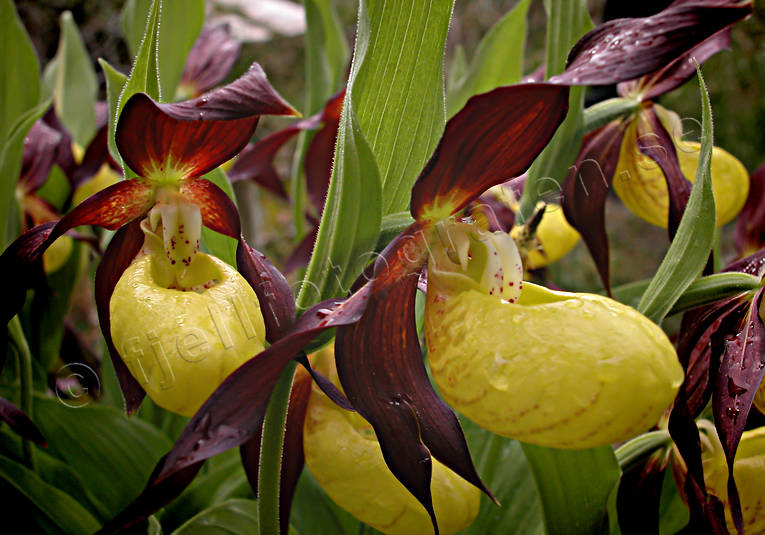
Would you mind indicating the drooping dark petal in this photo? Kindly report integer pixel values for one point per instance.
(639, 496)
(624, 49)
(678, 72)
(496, 136)
(277, 303)
(95, 156)
(320, 154)
(219, 212)
(195, 136)
(750, 227)
(256, 162)
(379, 364)
(210, 59)
(292, 457)
(654, 141)
(742, 368)
(20, 422)
(234, 413)
(498, 214)
(39, 155)
(122, 249)
(64, 155)
(585, 189)
(22, 259)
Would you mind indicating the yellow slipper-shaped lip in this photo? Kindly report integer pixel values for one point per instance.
(180, 345)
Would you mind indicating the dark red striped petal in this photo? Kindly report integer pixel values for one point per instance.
(750, 227)
(678, 72)
(210, 59)
(585, 189)
(20, 422)
(195, 136)
(496, 136)
(654, 141)
(22, 258)
(639, 495)
(380, 366)
(292, 458)
(277, 303)
(219, 212)
(39, 155)
(320, 154)
(123, 248)
(625, 49)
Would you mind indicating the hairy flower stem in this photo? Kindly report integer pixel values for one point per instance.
(272, 443)
(25, 376)
(606, 111)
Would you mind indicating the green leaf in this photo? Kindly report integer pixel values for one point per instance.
(502, 466)
(326, 53)
(397, 88)
(56, 189)
(213, 242)
(567, 21)
(232, 517)
(100, 444)
(20, 87)
(349, 228)
(314, 512)
(115, 82)
(58, 507)
(144, 77)
(76, 85)
(10, 166)
(178, 29)
(574, 487)
(498, 60)
(689, 251)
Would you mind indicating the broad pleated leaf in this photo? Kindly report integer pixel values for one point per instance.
(624, 49)
(236, 516)
(495, 137)
(124, 246)
(379, 363)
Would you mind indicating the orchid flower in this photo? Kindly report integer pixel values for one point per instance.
(209, 61)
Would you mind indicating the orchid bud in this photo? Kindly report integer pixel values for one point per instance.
(748, 472)
(181, 342)
(640, 184)
(342, 452)
(557, 369)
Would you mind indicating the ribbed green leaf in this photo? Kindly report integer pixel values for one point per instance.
(689, 251)
(497, 61)
(574, 487)
(567, 21)
(58, 507)
(101, 444)
(502, 466)
(20, 87)
(398, 88)
(115, 82)
(326, 53)
(75, 85)
(232, 517)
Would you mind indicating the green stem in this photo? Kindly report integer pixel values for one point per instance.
(271, 452)
(25, 375)
(606, 111)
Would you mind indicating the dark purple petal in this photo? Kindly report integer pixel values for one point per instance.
(122, 249)
(498, 214)
(380, 366)
(195, 136)
(750, 227)
(20, 422)
(301, 255)
(64, 155)
(23, 260)
(219, 212)
(496, 136)
(742, 368)
(585, 189)
(639, 496)
(624, 49)
(292, 457)
(210, 59)
(678, 72)
(40, 149)
(320, 154)
(654, 141)
(277, 303)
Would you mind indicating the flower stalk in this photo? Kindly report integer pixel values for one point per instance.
(25, 379)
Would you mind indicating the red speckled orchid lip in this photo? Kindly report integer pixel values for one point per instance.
(171, 142)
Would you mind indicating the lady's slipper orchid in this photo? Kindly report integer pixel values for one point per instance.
(361, 482)
(748, 470)
(562, 381)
